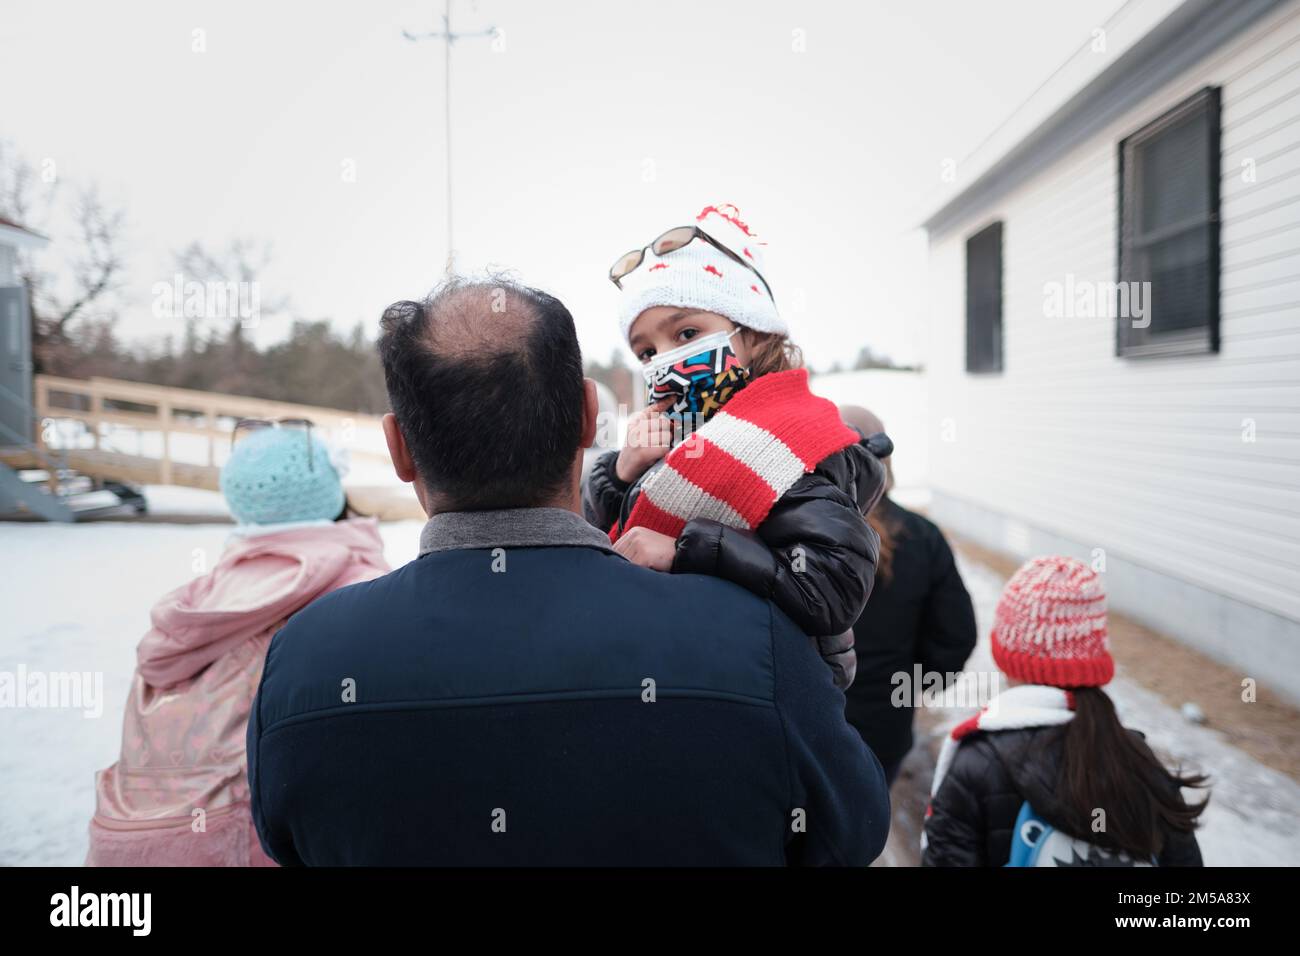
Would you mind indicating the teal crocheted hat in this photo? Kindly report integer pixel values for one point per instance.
(270, 479)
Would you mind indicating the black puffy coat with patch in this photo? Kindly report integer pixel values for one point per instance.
(992, 774)
(817, 526)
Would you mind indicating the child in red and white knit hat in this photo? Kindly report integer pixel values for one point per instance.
(735, 469)
(1050, 625)
(1030, 776)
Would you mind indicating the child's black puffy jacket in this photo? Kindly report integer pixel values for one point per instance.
(991, 775)
(821, 516)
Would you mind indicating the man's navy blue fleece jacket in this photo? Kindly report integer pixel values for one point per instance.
(521, 695)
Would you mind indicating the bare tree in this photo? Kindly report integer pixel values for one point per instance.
(231, 364)
(25, 198)
(83, 291)
(244, 261)
(97, 266)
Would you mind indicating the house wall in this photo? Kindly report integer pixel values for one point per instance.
(1184, 472)
(8, 265)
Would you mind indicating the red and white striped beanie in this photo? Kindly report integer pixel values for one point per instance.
(698, 276)
(1050, 625)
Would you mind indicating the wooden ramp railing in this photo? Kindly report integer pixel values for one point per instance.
(202, 422)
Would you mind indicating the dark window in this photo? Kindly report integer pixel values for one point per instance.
(1169, 231)
(984, 300)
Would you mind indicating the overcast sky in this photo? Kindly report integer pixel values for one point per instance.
(596, 127)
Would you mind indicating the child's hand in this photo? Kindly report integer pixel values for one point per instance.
(650, 549)
(649, 436)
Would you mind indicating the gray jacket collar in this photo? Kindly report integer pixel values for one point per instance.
(510, 528)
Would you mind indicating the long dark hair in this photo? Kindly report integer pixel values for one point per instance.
(1104, 766)
(887, 527)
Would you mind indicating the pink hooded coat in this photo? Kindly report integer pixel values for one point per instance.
(198, 671)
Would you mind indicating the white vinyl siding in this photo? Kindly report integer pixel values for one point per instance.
(1144, 456)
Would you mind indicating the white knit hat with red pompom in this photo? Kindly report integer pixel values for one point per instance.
(699, 276)
(1050, 625)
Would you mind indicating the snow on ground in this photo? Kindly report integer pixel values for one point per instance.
(77, 598)
(1253, 818)
(175, 500)
(363, 447)
(362, 440)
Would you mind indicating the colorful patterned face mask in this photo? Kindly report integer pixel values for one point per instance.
(699, 377)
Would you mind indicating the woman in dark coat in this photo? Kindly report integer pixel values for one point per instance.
(918, 614)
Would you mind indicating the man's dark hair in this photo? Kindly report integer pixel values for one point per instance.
(485, 379)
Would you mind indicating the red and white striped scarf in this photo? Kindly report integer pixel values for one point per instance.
(743, 459)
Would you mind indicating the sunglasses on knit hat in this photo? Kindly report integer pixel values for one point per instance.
(670, 241)
(247, 426)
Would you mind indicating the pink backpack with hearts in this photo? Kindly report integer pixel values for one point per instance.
(178, 794)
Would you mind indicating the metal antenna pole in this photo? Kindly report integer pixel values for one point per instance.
(448, 37)
(446, 23)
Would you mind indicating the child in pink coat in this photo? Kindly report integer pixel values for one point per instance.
(178, 794)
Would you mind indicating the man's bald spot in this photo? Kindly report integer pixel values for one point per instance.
(479, 320)
(864, 420)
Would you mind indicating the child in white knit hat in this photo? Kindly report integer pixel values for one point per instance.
(734, 468)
